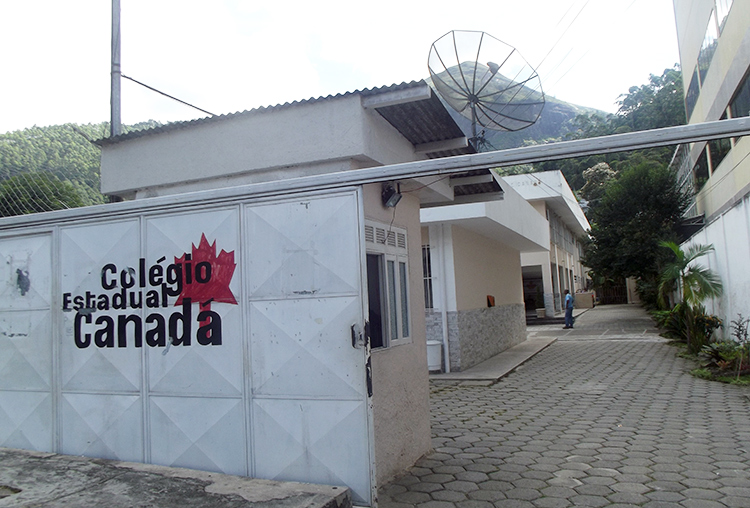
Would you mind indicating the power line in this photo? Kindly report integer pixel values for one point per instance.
(563, 33)
(167, 95)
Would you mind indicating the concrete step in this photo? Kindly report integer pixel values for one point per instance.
(47, 480)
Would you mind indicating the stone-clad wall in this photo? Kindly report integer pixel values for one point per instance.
(476, 335)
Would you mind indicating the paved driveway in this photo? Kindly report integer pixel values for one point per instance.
(607, 416)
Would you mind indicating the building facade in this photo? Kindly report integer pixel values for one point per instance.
(550, 272)
(714, 42)
(471, 254)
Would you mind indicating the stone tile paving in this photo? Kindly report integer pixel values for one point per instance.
(594, 423)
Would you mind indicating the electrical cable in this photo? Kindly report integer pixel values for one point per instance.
(563, 33)
(166, 95)
(426, 185)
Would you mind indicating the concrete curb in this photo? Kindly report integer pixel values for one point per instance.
(492, 370)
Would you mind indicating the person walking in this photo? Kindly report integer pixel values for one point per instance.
(568, 310)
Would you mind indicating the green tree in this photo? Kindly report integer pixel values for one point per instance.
(637, 211)
(597, 178)
(658, 103)
(693, 283)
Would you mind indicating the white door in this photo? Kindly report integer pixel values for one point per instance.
(310, 403)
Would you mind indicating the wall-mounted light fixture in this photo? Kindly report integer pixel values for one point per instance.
(391, 194)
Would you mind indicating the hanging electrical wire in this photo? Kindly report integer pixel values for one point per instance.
(167, 95)
(563, 33)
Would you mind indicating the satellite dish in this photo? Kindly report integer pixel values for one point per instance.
(486, 81)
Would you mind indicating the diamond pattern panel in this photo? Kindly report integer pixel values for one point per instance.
(305, 249)
(303, 348)
(25, 350)
(199, 433)
(194, 370)
(104, 426)
(25, 272)
(317, 441)
(174, 235)
(26, 420)
(202, 370)
(85, 250)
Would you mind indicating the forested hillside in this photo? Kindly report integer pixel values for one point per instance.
(58, 164)
(656, 104)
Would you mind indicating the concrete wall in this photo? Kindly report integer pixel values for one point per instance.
(400, 378)
(485, 267)
(282, 142)
(730, 235)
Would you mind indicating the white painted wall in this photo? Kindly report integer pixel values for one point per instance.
(484, 267)
(282, 142)
(730, 236)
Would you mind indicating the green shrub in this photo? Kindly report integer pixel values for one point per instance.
(691, 325)
(720, 352)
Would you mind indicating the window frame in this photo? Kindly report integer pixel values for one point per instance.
(390, 245)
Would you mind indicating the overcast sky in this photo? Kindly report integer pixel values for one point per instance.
(226, 56)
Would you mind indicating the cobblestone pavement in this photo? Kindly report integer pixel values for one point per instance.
(593, 420)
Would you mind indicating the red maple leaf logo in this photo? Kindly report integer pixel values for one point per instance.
(219, 272)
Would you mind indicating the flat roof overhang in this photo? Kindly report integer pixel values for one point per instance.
(511, 221)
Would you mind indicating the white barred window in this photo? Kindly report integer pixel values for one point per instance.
(387, 284)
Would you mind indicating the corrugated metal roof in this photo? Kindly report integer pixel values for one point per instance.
(421, 121)
(425, 121)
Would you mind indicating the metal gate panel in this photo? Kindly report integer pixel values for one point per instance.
(26, 350)
(310, 404)
(27, 274)
(303, 248)
(26, 420)
(198, 432)
(317, 441)
(84, 251)
(293, 353)
(26, 412)
(196, 409)
(199, 370)
(100, 413)
(103, 425)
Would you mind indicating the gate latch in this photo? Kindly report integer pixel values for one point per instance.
(357, 338)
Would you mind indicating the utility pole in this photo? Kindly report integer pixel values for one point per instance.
(115, 125)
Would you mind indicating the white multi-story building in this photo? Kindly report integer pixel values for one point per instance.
(558, 268)
(714, 42)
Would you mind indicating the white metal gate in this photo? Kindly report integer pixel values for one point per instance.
(216, 339)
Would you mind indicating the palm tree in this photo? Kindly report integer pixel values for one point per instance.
(694, 283)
